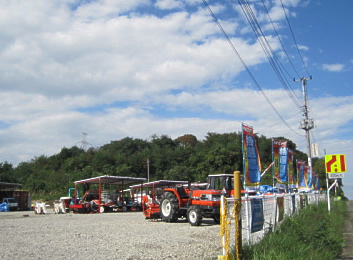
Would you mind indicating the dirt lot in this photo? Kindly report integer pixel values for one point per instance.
(123, 235)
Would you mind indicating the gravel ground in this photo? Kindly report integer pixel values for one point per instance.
(121, 235)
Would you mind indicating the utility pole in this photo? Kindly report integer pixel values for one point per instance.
(307, 123)
(148, 170)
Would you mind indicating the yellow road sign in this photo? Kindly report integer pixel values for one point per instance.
(335, 163)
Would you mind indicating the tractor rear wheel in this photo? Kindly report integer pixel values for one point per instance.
(194, 216)
(169, 207)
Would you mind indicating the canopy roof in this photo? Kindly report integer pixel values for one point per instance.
(221, 175)
(114, 180)
(7, 185)
(159, 183)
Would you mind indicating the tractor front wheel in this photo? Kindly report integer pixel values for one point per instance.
(217, 219)
(194, 216)
(169, 207)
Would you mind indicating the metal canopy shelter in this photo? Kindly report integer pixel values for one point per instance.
(9, 186)
(111, 180)
(159, 183)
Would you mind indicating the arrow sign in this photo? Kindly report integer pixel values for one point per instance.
(335, 163)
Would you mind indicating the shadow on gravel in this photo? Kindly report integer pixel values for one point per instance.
(204, 222)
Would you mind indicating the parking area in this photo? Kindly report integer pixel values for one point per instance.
(122, 235)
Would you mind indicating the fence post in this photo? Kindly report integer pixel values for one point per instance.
(275, 220)
(247, 212)
(224, 226)
(237, 216)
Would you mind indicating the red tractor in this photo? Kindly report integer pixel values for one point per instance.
(151, 195)
(195, 204)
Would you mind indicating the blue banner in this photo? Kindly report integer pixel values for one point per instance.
(301, 169)
(251, 162)
(310, 178)
(283, 164)
(257, 214)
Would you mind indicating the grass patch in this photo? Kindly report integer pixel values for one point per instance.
(313, 234)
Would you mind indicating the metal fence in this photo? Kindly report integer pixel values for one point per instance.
(261, 214)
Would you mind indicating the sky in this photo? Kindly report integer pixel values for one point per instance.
(76, 71)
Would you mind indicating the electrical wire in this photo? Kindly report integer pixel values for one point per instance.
(270, 54)
(295, 41)
(246, 67)
(262, 130)
(279, 39)
(284, 49)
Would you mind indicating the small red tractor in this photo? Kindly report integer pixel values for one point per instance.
(194, 203)
(152, 194)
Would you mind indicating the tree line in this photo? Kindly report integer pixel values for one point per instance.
(184, 158)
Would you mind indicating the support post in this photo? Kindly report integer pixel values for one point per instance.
(237, 217)
(329, 197)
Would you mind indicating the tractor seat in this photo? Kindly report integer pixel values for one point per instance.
(182, 193)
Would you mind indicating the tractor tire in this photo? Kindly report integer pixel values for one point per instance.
(169, 207)
(217, 219)
(194, 215)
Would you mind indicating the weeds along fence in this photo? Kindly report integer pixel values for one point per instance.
(260, 215)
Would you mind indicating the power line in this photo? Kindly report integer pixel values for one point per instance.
(246, 67)
(262, 130)
(279, 39)
(270, 54)
(295, 41)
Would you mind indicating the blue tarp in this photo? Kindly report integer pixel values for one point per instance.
(267, 189)
(4, 207)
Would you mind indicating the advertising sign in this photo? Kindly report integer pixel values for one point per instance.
(280, 158)
(335, 163)
(257, 217)
(252, 166)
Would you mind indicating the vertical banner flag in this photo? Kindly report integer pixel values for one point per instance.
(291, 176)
(251, 164)
(301, 180)
(318, 186)
(308, 177)
(315, 182)
(280, 158)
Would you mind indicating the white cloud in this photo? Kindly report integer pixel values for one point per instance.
(333, 67)
(169, 4)
(303, 48)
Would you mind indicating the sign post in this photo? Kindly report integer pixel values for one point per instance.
(335, 165)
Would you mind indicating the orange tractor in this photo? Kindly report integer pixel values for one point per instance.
(151, 194)
(194, 203)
